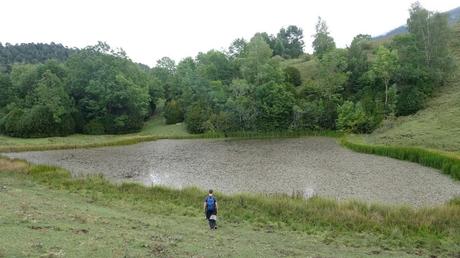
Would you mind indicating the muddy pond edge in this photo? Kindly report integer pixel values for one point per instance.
(448, 163)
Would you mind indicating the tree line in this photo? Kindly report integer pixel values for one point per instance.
(249, 87)
(31, 53)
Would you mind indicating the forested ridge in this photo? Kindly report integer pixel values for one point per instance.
(32, 53)
(50, 90)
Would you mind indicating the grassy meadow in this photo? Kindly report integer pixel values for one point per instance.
(51, 214)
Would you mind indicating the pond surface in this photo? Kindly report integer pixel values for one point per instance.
(313, 165)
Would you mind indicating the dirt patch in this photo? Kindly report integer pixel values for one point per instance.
(12, 165)
(80, 231)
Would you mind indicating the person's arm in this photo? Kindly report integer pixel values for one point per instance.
(217, 207)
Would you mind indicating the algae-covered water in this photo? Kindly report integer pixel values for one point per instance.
(309, 166)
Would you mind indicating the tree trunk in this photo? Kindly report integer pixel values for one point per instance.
(386, 93)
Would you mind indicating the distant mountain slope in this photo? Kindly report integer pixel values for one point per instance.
(453, 17)
(437, 126)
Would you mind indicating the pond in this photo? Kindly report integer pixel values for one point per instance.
(310, 166)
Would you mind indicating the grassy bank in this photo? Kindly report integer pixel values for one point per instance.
(448, 163)
(153, 130)
(330, 224)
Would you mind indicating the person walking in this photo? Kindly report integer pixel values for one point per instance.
(210, 209)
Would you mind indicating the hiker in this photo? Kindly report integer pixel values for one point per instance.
(210, 209)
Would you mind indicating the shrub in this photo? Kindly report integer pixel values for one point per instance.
(196, 117)
(352, 118)
(220, 122)
(11, 122)
(94, 127)
(293, 76)
(409, 100)
(274, 104)
(37, 122)
(173, 112)
(126, 123)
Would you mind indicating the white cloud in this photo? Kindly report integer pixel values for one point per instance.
(149, 30)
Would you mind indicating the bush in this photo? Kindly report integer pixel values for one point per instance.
(220, 122)
(352, 118)
(37, 121)
(327, 115)
(94, 127)
(126, 123)
(11, 122)
(274, 104)
(173, 112)
(293, 76)
(196, 117)
(409, 100)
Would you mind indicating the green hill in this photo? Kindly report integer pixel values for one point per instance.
(435, 127)
(306, 68)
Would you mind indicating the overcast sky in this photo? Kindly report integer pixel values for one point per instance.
(148, 30)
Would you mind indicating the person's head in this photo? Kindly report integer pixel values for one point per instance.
(210, 191)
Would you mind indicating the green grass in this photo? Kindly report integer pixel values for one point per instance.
(34, 224)
(50, 213)
(158, 127)
(449, 163)
(307, 69)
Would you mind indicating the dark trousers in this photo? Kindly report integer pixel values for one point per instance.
(212, 223)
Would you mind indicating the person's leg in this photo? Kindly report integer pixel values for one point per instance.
(215, 221)
(212, 224)
(208, 215)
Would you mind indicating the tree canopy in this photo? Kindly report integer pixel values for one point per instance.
(323, 42)
(264, 84)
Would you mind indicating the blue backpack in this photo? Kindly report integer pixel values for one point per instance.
(210, 203)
